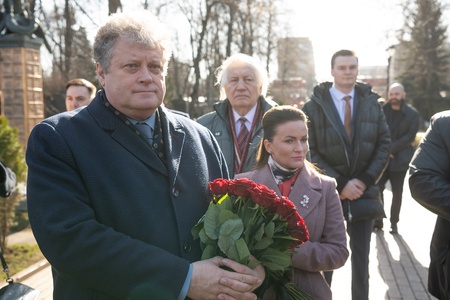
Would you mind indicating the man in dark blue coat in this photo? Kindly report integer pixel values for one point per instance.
(115, 188)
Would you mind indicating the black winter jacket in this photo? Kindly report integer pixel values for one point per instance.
(371, 138)
(430, 186)
(403, 137)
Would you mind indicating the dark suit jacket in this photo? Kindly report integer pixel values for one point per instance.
(108, 215)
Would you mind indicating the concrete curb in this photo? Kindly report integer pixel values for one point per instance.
(26, 273)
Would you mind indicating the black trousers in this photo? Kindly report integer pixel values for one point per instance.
(397, 180)
(360, 233)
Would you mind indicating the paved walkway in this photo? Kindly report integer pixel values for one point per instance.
(398, 263)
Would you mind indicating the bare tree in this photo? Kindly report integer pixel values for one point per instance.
(72, 51)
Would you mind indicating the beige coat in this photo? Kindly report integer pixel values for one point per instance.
(327, 248)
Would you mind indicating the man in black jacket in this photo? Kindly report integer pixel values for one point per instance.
(349, 140)
(403, 121)
(7, 180)
(430, 186)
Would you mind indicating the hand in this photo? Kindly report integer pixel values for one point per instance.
(353, 190)
(209, 281)
(242, 284)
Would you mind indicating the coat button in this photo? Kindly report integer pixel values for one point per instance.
(175, 192)
(187, 247)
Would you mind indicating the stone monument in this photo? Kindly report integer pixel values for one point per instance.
(21, 93)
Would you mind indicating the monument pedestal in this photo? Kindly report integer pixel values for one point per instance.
(22, 100)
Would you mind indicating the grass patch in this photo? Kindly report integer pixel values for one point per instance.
(21, 256)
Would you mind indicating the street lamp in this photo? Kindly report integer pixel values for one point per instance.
(390, 51)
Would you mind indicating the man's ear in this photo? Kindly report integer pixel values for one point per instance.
(100, 73)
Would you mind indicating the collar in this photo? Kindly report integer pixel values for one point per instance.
(150, 121)
(338, 95)
(249, 116)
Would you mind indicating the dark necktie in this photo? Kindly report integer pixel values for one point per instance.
(242, 138)
(146, 130)
(348, 117)
(154, 137)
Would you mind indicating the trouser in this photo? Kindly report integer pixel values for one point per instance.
(328, 276)
(397, 180)
(360, 233)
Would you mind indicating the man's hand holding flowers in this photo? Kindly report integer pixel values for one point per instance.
(209, 281)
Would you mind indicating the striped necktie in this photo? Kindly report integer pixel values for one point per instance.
(242, 138)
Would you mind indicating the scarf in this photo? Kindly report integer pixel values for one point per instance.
(285, 178)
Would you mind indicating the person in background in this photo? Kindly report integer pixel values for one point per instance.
(111, 192)
(236, 121)
(349, 140)
(404, 122)
(79, 92)
(429, 183)
(281, 165)
(7, 180)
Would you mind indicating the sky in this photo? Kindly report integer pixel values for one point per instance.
(367, 27)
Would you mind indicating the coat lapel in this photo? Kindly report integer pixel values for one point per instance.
(174, 145)
(305, 193)
(125, 134)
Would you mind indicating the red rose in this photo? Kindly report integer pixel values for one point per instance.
(285, 208)
(293, 221)
(297, 228)
(219, 186)
(302, 235)
(265, 197)
(241, 187)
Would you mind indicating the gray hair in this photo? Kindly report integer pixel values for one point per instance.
(140, 27)
(261, 74)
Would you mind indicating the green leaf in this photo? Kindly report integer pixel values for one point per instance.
(270, 229)
(275, 260)
(239, 252)
(196, 230)
(203, 237)
(211, 221)
(225, 215)
(225, 243)
(253, 263)
(272, 266)
(259, 233)
(232, 228)
(209, 252)
(263, 243)
(242, 250)
(232, 253)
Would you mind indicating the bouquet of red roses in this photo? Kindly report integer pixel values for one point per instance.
(245, 218)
